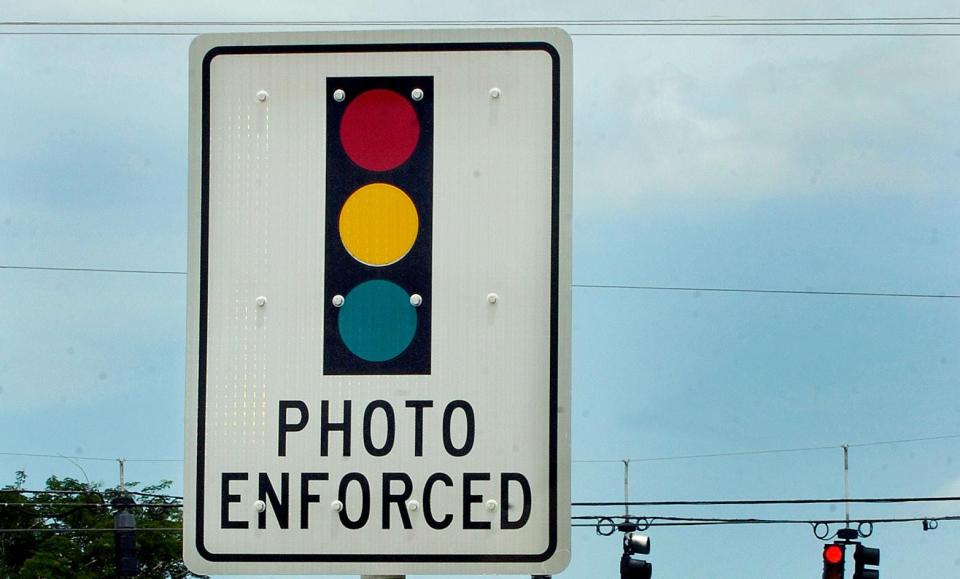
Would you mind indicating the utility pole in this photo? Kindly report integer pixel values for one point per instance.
(123, 486)
(846, 481)
(626, 487)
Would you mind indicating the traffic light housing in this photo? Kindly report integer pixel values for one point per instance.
(863, 557)
(125, 540)
(379, 211)
(833, 560)
(630, 568)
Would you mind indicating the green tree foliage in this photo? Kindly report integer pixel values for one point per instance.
(66, 530)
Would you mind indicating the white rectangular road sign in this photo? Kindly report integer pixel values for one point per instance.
(378, 365)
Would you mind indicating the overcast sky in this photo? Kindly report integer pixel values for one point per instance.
(813, 163)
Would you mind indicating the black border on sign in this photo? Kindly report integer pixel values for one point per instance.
(554, 302)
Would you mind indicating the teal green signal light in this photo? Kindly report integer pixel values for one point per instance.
(377, 321)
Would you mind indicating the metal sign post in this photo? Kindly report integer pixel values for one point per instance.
(378, 373)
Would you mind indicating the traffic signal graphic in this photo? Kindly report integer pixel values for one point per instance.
(379, 200)
(833, 556)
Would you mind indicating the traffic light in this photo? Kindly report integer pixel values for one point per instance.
(630, 568)
(833, 555)
(378, 237)
(862, 557)
(125, 541)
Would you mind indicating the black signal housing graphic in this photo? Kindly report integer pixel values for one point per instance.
(378, 227)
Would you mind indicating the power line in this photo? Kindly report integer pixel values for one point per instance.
(34, 455)
(601, 521)
(92, 505)
(576, 34)
(5, 33)
(734, 520)
(883, 500)
(582, 461)
(91, 530)
(938, 21)
(904, 440)
(861, 21)
(702, 503)
(765, 291)
(770, 451)
(92, 458)
(576, 285)
(598, 521)
(769, 34)
(708, 455)
(657, 521)
(93, 269)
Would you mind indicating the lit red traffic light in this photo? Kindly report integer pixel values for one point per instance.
(833, 559)
(833, 554)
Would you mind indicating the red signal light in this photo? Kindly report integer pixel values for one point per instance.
(833, 554)
(833, 561)
(380, 130)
